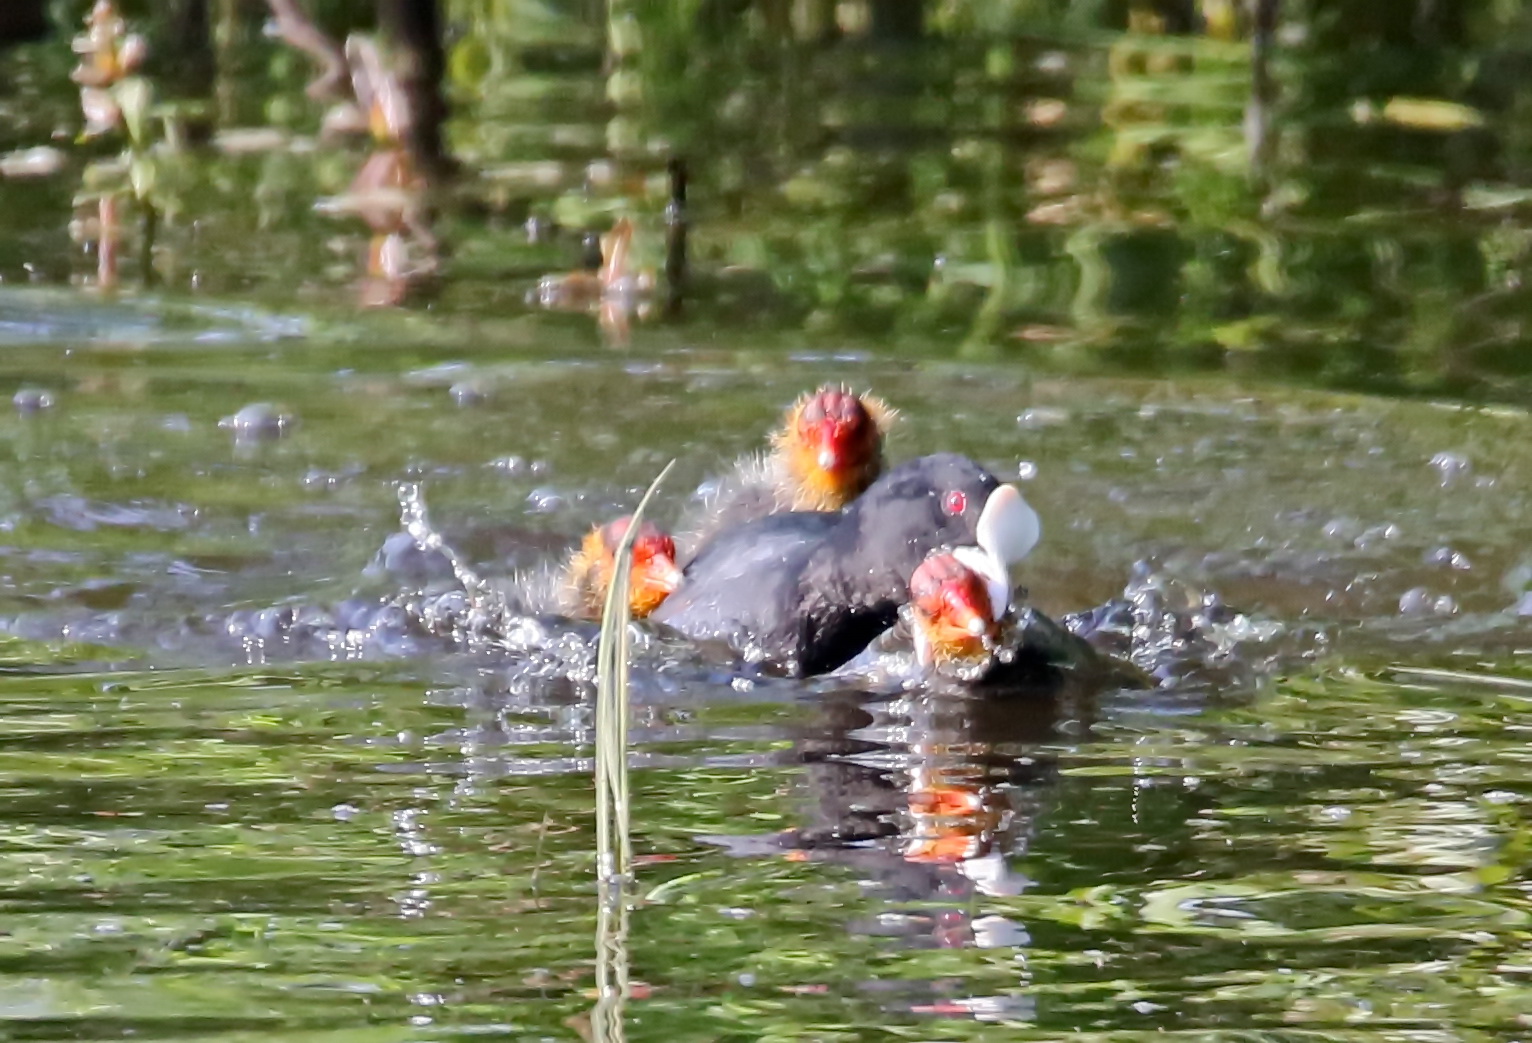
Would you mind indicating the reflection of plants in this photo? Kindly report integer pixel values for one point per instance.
(388, 192)
(117, 103)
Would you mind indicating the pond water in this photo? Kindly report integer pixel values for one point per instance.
(1286, 380)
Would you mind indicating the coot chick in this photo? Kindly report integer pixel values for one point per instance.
(588, 575)
(957, 602)
(805, 591)
(962, 626)
(826, 452)
(577, 588)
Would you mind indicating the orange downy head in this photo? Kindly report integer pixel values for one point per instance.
(654, 576)
(953, 612)
(832, 443)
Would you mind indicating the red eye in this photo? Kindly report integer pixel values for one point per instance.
(954, 502)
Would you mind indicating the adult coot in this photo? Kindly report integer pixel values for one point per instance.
(807, 590)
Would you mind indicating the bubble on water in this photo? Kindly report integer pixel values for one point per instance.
(345, 812)
(1376, 535)
(258, 421)
(1446, 556)
(1451, 466)
(1041, 416)
(1341, 528)
(544, 500)
(32, 400)
(1418, 601)
(468, 392)
(1026, 470)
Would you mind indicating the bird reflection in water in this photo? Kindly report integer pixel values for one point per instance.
(609, 285)
(931, 797)
(388, 193)
(612, 281)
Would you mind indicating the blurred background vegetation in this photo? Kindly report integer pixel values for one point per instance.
(1334, 191)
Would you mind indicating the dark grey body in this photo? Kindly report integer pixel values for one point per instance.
(807, 590)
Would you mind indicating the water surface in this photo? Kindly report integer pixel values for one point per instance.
(1285, 384)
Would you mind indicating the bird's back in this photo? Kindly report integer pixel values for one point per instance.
(743, 585)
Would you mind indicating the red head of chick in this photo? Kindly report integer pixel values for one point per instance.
(654, 575)
(830, 446)
(957, 600)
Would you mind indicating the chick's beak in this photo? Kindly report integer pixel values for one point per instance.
(663, 573)
(962, 611)
(831, 452)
